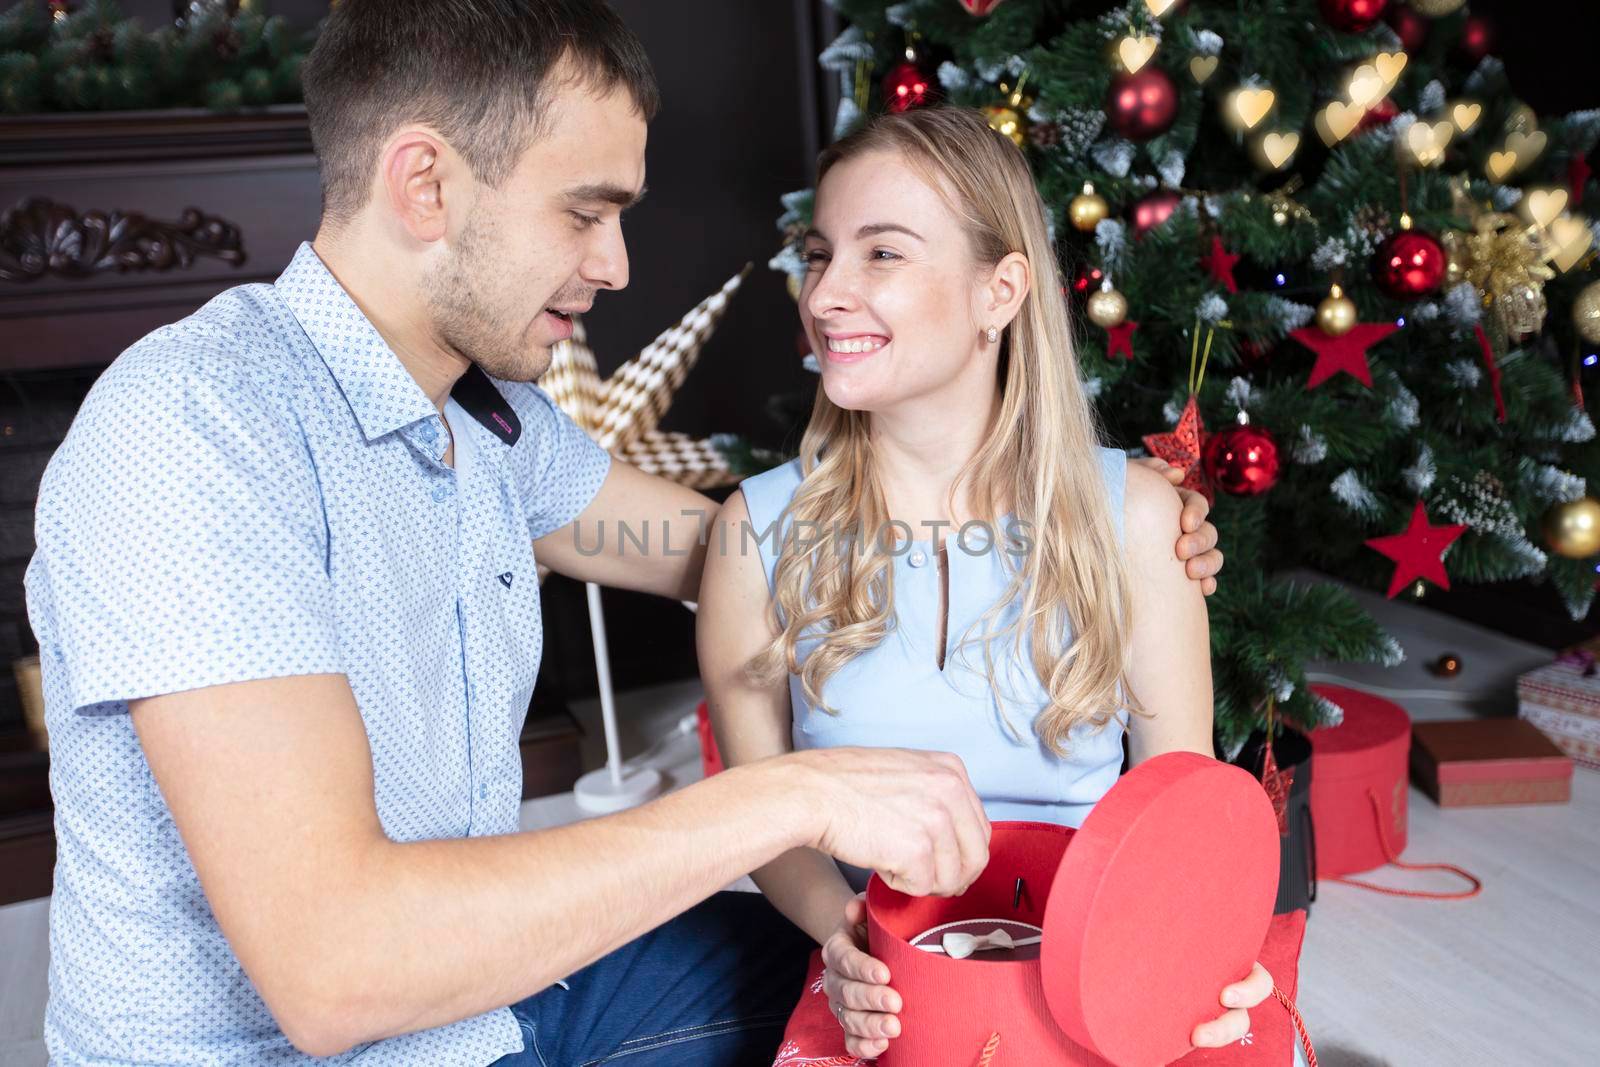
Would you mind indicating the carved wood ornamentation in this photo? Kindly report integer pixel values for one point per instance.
(39, 237)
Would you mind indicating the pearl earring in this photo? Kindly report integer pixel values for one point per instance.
(991, 335)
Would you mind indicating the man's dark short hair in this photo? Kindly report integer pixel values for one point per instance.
(478, 71)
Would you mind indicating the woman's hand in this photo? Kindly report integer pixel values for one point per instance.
(857, 986)
(1234, 1023)
(1197, 545)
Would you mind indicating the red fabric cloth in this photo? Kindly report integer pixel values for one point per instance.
(814, 1038)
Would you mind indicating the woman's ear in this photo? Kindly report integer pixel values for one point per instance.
(1008, 285)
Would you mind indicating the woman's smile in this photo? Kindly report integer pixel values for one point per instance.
(854, 347)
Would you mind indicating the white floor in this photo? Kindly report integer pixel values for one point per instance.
(1508, 978)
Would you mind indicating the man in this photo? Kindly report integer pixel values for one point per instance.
(286, 600)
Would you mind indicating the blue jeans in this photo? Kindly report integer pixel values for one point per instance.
(712, 988)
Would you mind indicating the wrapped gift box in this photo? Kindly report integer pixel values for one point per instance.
(1160, 899)
(1563, 700)
(1473, 762)
(1358, 782)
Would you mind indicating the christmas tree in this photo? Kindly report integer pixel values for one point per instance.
(1323, 259)
(88, 57)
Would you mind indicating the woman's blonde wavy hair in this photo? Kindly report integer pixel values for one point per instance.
(1040, 460)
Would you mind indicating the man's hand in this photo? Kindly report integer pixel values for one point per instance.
(857, 986)
(1197, 543)
(911, 816)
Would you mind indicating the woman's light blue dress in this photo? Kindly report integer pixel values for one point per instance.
(896, 696)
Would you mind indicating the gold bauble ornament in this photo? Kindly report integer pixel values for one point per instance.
(1573, 529)
(1436, 9)
(1006, 120)
(1586, 313)
(1108, 308)
(1336, 315)
(1087, 209)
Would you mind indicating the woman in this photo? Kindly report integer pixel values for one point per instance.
(962, 567)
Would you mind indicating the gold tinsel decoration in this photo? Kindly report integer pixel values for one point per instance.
(1504, 259)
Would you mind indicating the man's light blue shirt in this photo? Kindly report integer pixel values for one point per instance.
(259, 491)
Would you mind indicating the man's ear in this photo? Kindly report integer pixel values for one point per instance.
(420, 174)
(1008, 285)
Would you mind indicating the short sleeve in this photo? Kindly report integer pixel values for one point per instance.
(559, 468)
(181, 540)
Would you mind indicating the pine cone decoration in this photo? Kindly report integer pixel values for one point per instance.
(1045, 134)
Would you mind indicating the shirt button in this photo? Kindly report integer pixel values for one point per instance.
(483, 792)
(917, 558)
(440, 492)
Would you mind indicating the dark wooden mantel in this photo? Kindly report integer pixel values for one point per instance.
(112, 224)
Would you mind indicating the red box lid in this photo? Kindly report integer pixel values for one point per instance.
(1371, 725)
(1163, 897)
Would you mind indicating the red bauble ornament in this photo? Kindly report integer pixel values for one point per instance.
(1410, 27)
(1087, 280)
(1242, 460)
(1142, 105)
(1409, 264)
(1380, 114)
(1477, 37)
(1253, 354)
(1352, 16)
(980, 8)
(905, 86)
(1153, 210)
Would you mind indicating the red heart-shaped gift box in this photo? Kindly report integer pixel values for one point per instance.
(1162, 897)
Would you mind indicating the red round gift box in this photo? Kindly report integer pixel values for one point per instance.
(1160, 899)
(1360, 761)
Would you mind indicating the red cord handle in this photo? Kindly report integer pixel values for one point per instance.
(1299, 1025)
(1388, 854)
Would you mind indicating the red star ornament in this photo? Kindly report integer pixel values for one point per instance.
(1119, 338)
(1277, 783)
(1219, 264)
(1182, 448)
(1347, 352)
(1419, 552)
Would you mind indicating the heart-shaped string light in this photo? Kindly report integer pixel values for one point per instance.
(1570, 239)
(1279, 148)
(1428, 141)
(1544, 206)
(1338, 120)
(1135, 52)
(1249, 106)
(1465, 115)
(1201, 68)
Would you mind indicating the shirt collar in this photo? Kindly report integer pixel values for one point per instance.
(380, 391)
